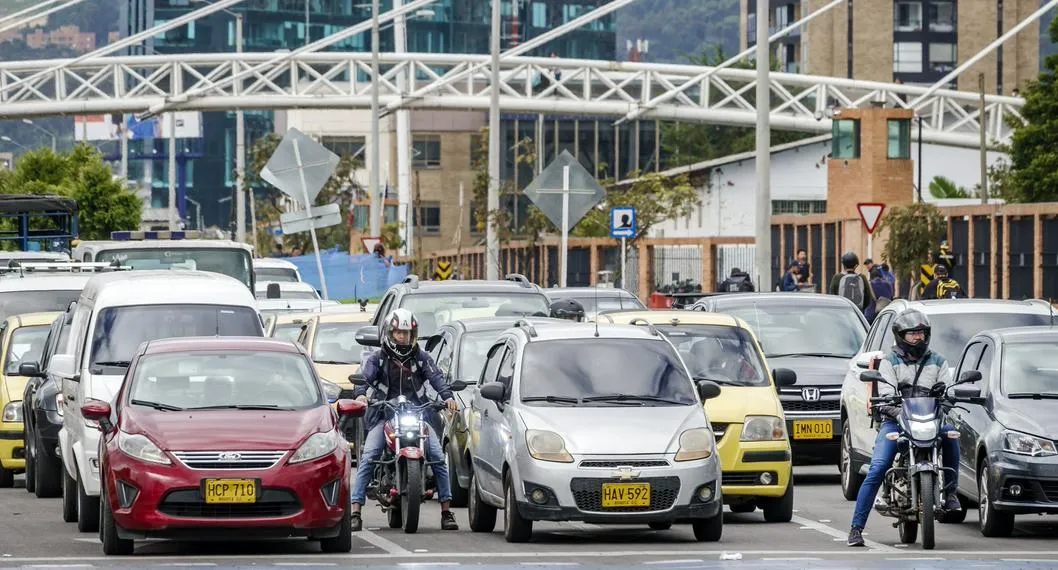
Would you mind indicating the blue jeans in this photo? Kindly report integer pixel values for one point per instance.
(884, 453)
(375, 443)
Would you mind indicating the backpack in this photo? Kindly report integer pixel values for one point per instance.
(851, 287)
(948, 289)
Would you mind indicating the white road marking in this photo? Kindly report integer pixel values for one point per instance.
(550, 563)
(917, 558)
(383, 543)
(304, 564)
(691, 561)
(428, 564)
(61, 566)
(790, 559)
(839, 535)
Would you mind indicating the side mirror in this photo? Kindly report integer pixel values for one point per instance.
(784, 377)
(30, 369)
(98, 411)
(708, 390)
(969, 377)
(871, 376)
(358, 379)
(864, 360)
(457, 386)
(494, 391)
(273, 291)
(354, 408)
(967, 392)
(368, 336)
(62, 365)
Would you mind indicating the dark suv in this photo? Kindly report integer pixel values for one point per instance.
(42, 415)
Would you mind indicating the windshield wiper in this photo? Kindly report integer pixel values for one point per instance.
(121, 363)
(816, 354)
(242, 407)
(634, 398)
(553, 399)
(157, 405)
(1033, 396)
(332, 362)
(718, 381)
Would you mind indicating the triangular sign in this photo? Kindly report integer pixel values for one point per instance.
(870, 214)
(370, 242)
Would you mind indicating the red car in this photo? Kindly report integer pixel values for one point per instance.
(222, 438)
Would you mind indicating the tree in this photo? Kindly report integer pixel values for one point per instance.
(914, 233)
(1034, 144)
(942, 187)
(342, 189)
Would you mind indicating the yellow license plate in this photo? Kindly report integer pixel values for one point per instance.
(228, 491)
(617, 495)
(813, 429)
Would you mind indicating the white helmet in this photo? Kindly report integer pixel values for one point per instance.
(400, 320)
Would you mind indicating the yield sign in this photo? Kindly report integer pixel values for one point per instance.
(870, 213)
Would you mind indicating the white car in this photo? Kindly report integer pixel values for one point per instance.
(276, 270)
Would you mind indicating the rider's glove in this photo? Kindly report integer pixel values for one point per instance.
(938, 390)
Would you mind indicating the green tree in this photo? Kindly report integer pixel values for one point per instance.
(342, 189)
(942, 187)
(914, 232)
(1034, 144)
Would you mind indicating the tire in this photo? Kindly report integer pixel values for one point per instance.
(780, 510)
(7, 478)
(344, 541)
(47, 474)
(664, 525)
(851, 480)
(908, 532)
(709, 530)
(482, 516)
(411, 495)
(87, 511)
(30, 453)
(515, 527)
(108, 529)
(927, 495)
(460, 496)
(69, 496)
(993, 523)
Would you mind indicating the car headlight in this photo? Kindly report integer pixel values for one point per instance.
(331, 390)
(142, 448)
(695, 444)
(1025, 444)
(58, 403)
(923, 430)
(547, 446)
(13, 411)
(409, 421)
(763, 428)
(316, 446)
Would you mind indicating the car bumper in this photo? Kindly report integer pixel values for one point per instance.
(574, 492)
(12, 448)
(166, 501)
(745, 464)
(1037, 477)
(809, 443)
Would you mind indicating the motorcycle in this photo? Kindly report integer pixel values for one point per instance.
(400, 480)
(912, 487)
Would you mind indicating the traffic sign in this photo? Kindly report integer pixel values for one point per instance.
(370, 242)
(870, 214)
(300, 167)
(547, 190)
(316, 218)
(623, 223)
(443, 271)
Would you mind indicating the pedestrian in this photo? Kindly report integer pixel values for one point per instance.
(738, 282)
(852, 285)
(943, 286)
(790, 281)
(883, 294)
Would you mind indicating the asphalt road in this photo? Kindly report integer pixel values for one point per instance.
(32, 534)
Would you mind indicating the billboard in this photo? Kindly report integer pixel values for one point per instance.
(104, 127)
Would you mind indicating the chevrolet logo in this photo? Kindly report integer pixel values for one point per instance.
(626, 473)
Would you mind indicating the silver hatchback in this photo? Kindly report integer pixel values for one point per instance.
(602, 425)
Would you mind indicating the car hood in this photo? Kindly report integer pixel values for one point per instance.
(736, 402)
(338, 373)
(1034, 417)
(813, 370)
(616, 430)
(227, 430)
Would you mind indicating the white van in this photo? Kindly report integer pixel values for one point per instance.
(116, 313)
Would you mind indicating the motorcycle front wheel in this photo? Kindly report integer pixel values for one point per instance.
(927, 494)
(411, 484)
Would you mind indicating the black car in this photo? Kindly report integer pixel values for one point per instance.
(42, 416)
(1007, 436)
(815, 336)
(597, 300)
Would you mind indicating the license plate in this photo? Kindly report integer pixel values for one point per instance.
(228, 491)
(617, 495)
(813, 429)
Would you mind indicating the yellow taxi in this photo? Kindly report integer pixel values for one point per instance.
(286, 326)
(22, 340)
(747, 417)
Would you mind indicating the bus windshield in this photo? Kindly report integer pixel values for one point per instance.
(233, 262)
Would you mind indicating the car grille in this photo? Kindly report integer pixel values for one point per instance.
(634, 463)
(588, 494)
(745, 478)
(719, 430)
(272, 503)
(820, 406)
(229, 459)
(795, 404)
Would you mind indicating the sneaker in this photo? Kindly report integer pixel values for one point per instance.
(357, 522)
(448, 521)
(951, 503)
(855, 537)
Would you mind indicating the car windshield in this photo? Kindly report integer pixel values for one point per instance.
(22, 302)
(1030, 367)
(223, 380)
(435, 310)
(951, 331)
(235, 263)
(335, 343)
(789, 328)
(120, 330)
(287, 331)
(608, 303)
(26, 345)
(605, 371)
(725, 355)
(473, 352)
(276, 274)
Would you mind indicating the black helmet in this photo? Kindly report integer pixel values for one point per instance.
(907, 321)
(850, 260)
(568, 309)
(940, 270)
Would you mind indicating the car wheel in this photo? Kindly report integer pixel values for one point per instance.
(30, 451)
(108, 529)
(87, 510)
(460, 496)
(993, 523)
(482, 516)
(661, 525)
(780, 510)
(46, 473)
(515, 527)
(69, 496)
(710, 529)
(851, 480)
(344, 541)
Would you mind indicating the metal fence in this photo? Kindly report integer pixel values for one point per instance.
(678, 269)
(742, 256)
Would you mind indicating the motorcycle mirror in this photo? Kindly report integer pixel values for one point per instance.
(457, 386)
(358, 379)
(969, 377)
(871, 376)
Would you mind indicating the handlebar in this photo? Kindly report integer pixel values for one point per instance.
(411, 407)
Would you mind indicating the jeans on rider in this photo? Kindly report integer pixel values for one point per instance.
(374, 445)
(884, 453)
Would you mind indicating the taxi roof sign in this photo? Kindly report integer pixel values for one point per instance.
(155, 234)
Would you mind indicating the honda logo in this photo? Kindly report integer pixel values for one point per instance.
(810, 394)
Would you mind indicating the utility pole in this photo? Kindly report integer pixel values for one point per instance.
(240, 152)
(406, 205)
(376, 206)
(174, 209)
(492, 238)
(984, 141)
(763, 102)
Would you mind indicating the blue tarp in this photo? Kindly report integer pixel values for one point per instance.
(361, 276)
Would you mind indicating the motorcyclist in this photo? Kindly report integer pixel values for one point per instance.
(568, 309)
(917, 371)
(400, 368)
(943, 286)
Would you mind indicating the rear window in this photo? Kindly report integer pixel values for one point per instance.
(276, 274)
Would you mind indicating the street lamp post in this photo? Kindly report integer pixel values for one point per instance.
(376, 200)
(919, 189)
(54, 146)
(8, 139)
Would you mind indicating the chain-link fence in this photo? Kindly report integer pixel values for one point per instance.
(678, 268)
(728, 257)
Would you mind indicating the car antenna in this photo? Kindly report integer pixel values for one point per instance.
(597, 311)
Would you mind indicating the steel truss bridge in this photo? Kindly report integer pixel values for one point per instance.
(551, 86)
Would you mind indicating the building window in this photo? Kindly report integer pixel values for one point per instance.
(942, 57)
(362, 216)
(428, 218)
(900, 138)
(942, 16)
(426, 151)
(343, 146)
(907, 57)
(751, 28)
(846, 138)
(907, 17)
(801, 207)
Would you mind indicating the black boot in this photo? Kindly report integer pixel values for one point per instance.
(448, 521)
(357, 522)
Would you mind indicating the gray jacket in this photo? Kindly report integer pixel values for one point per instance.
(900, 370)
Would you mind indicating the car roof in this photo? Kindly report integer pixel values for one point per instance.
(159, 286)
(468, 286)
(292, 317)
(273, 262)
(666, 317)
(569, 330)
(33, 319)
(220, 343)
(46, 282)
(953, 306)
(262, 286)
(499, 323)
(1042, 333)
(346, 317)
(559, 292)
(785, 298)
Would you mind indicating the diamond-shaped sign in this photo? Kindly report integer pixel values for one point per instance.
(298, 166)
(546, 190)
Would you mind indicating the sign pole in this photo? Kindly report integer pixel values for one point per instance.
(565, 228)
(312, 225)
(870, 245)
(624, 262)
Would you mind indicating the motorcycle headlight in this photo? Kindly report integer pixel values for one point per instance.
(142, 448)
(409, 421)
(923, 430)
(13, 411)
(695, 444)
(331, 391)
(763, 428)
(547, 446)
(316, 446)
(1025, 444)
